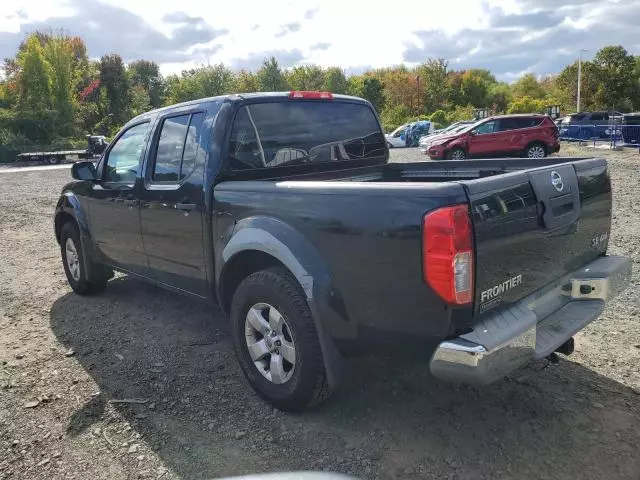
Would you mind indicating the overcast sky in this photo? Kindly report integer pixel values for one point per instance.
(508, 37)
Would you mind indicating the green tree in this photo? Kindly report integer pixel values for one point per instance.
(440, 117)
(140, 102)
(35, 77)
(270, 76)
(459, 113)
(335, 80)
(305, 77)
(499, 97)
(567, 84)
(114, 81)
(200, 83)
(369, 88)
(246, 82)
(617, 83)
(146, 74)
(433, 77)
(528, 86)
(475, 85)
(527, 105)
(59, 54)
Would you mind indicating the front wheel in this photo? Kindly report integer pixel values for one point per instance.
(535, 150)
(457, 154)
(53, 160)
(276, 341)
(75, 267)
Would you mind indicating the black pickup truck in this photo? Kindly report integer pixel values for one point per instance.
(283, 210)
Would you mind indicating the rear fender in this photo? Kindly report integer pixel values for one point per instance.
(299, 256)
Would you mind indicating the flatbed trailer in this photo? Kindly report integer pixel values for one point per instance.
(96, 144)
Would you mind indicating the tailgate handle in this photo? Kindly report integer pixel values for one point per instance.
(562, 205)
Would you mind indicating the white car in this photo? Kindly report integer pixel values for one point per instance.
(396, 138)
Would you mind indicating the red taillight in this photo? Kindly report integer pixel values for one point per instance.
(311, 95)
(447, 261)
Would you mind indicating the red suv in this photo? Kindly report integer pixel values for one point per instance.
(532, 136)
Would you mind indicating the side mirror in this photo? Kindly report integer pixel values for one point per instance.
(473, 133)
(84, 171)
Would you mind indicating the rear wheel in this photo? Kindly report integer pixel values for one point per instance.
(535, 150)
(53, 160)
(75, 266)
(276, 341)
(457, 154)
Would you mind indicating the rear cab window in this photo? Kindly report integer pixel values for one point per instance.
(275, 134)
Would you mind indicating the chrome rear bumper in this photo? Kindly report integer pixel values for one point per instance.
(534, 327)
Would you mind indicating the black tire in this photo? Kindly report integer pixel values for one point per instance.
(80, 283)
(53, 160)
(456, 154)
(535, 150)
(307, 386)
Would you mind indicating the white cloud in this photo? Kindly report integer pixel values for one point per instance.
(351, 34)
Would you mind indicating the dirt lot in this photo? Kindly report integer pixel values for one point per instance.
(67, 363)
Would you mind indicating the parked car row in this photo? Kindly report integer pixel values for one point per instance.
(531, 136)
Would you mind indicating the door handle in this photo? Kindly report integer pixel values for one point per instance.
(131, 203)
(187, 207)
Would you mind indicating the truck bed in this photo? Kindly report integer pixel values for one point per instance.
(428, 171)
(366, 224)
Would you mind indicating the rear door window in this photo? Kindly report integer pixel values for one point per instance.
(296, 132)
(177, 148)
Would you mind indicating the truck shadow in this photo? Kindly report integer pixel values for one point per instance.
(174, 357)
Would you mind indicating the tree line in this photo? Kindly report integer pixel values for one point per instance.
(53, 94)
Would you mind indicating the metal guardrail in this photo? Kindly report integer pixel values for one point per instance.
(613, 135)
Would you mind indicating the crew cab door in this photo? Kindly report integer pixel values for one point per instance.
(114, 205)
(172, 203)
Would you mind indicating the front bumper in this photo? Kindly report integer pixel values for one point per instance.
(532, 328)
(436, 152)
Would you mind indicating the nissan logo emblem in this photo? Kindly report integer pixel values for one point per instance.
(556, 181)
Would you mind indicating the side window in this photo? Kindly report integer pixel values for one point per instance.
(177, 147)
(485, 128)
(597, 116)
(125, 157)
(244, 151)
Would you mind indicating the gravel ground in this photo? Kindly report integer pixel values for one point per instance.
(141, 383)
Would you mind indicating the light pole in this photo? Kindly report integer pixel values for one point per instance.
(579, 78)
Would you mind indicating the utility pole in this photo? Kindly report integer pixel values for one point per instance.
(579, 78)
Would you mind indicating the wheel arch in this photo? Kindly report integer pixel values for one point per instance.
(536, 142)
(260, 243)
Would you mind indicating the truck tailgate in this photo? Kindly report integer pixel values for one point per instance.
(534, 226)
